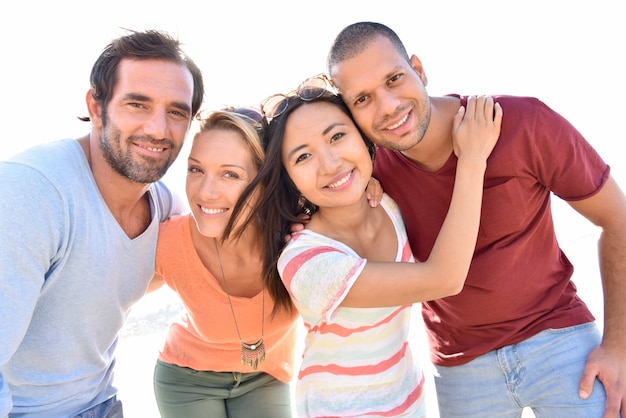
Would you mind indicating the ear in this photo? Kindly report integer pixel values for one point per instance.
(419, 68)
(94, 109)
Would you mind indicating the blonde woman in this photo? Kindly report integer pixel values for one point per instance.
(232, 353)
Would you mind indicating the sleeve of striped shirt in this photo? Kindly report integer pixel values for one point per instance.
(318, 273)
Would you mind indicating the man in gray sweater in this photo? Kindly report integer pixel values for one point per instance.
(80, 221)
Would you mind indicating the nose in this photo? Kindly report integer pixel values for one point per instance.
(210, 187)
(329, 161)
(388, 103)
(156, 125)
(204, 188)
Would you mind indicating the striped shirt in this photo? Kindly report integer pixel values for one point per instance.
(356, 361)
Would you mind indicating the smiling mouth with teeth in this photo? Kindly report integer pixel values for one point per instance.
(340, 182)
(212, 211)
(400, 123)
(150, 147)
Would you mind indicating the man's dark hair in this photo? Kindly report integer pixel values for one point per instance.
(353, 39)
(150, 44)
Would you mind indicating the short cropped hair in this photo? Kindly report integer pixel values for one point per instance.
(353, 39)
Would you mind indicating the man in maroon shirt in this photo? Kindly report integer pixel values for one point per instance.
(517, 335)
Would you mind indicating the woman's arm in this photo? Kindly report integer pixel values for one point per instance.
(475, 133)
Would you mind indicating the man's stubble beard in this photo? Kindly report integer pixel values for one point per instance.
(146, 171)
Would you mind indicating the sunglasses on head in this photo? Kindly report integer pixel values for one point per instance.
(249, 112)
(310, 89)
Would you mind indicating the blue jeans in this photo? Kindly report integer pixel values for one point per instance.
(111, 408)
(542, 373)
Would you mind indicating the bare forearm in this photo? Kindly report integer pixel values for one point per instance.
(474, 135)
(612, 254)
(453, 250)
(444, 273)
(607, 210)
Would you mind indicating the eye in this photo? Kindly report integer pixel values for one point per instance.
(394, 78)
(179, 114)
(337, 136)
(360, 100)
(193, 169)
(302, 157)
(232, 175)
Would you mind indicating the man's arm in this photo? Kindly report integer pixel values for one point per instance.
(30, 234)
(607, 363)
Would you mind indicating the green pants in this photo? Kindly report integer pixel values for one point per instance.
(183, 392)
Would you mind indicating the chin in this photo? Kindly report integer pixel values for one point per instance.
(204, 231)
(209, 233)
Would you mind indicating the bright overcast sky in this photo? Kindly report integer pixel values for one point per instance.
(569, 53)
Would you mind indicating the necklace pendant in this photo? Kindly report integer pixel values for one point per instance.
(253, 354)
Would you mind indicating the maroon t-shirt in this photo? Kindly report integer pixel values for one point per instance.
(519, 280)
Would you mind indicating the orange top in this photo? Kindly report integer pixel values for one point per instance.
(205, 337)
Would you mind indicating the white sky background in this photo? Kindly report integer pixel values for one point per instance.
(569, 53)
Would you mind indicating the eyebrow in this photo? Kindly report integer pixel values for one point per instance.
(386, 77)
(296, 149)
(324, 132)
(332, 126)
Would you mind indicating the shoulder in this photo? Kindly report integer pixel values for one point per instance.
(167, 202)
(50, 154)
(174, 233)
(516, 108)
(390, 205)
(161, 191)
(175, 253)
(394, 213)
(511, 100)
(55, 170)
(306, 245)
(174, 224)
(58, 160)
(534, 119)
(526, 105)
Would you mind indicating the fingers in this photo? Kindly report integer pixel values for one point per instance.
(482, 111)
(471, 107)
(586, 383)
(374, 192)
(476, 127)
(458, 118)
(497, 118)
(483, 108)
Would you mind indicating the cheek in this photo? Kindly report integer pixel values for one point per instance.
(298, 176)
(180, 133)
(235, 191)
